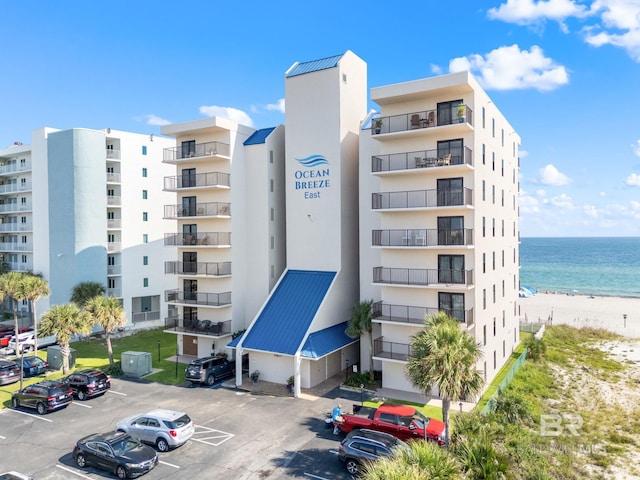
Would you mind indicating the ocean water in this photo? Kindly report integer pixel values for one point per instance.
(591, 266)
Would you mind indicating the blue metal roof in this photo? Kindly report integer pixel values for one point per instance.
(287, 316)
(234, 343)
(314, 66)
(325, 341)
(259, 136)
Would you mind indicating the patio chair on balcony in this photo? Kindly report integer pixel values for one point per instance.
(415, 121)
(446, 160)
(431, 120)
(204, 325)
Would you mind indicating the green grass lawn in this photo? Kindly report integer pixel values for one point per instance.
(92, 353)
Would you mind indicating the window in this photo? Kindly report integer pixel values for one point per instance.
(484, 187)
(452, 148)
(483, 154)
(24, 259)
(484, 299)
(493, 226)
(451, 269)
(502, 167)
(452, 304)
(493, 194)
(111, 260)
(502, 135)
(450, 192)
(484, 335)
(271, 186)
(144, 194)
(273, 242)
(111, 238)
(484, 111)
(503, 258)
(273, 214)
(447, 112)
(145, 238)
(502, 227)
(145, 282)
(144, 149)
(188, 149)
(494, 293)
(503, 318)
(493, 127)
(495, 364)
(504, 349)
(270, 156)
(111, 283)
(484, 222)
(23, 220)
(145, 216)
(450, 231)
(484, 263)
(494, 326)
(503, 297)
(188, 178)
(493, 161)
(494, 260)
(145, 260)
(144, 172)
(502, 198)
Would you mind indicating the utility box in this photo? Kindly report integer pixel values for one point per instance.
(54, 357)
(136, 364)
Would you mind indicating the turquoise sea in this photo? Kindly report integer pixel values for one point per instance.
(597, 266)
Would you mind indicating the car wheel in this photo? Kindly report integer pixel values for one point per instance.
(15, 402)
(41, 408)
(28, 348)
(81, 395)
(81, 461)
(162, 444)
(211, 379)
(352, 466)
(121, 472)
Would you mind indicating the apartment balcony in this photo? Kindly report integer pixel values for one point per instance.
(16, 227)
(406, 314)
(114, 292)
(197, 327)
(419, 277)
(16, 247)
(383, 349)
(454, 237)
(113, 154)
(114, 200)
(19, 266)
(15, 207)
(198, 298)
(423, 121)
(211, 209)
(114, 246)
(113, 178)
(399, 162)
(114, 223)
(198, 180)
(200, 239)
(207, 269)
(137, 317)
(15, 187)
(114, 269)
(196, 151)
(15, 167)
(454, 197)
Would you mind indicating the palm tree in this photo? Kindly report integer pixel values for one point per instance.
(108, 314)
(444, 355)
(65, 321)
(359, 324)
(11, 285)
(84, 291)
(33, 288)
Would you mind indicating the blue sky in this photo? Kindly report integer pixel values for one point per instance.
(565, 73)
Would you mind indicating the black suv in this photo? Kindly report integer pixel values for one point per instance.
(362, 446)
(88, 383)
(209, 369)
(9, 372)
(44, 396)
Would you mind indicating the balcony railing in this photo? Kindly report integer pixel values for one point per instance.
(416, 315)
(422, 198)
(420, 120)
(114, 292)
(114, 223)
(15, 187)
(212, 239)
(15, 167)
(198, 298)
(212, 179)
(16, 247)
(113, 154)
(422, 237)
(114, 200)
(114, 246)
(114, 269)
(392, 350)
(16, 227)
(113, 177)
(20, 267)
(213, 269)
(208, 149)
(15, 207)
(421, 277)
(212, 209)
(202, 327)
(421, 159)
(137, 317)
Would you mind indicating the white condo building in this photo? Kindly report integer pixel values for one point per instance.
(84, 205)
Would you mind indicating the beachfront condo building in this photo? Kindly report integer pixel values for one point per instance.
(83, 205)
(438, 220)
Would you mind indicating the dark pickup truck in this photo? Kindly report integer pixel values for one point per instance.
(401, 421)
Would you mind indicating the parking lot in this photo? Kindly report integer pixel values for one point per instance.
(239, 435)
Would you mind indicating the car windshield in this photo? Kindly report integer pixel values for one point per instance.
(124, 445)
(180, 422)
(420, 420)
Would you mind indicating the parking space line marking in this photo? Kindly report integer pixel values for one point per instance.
(314, 476)
(117, 393)
(72, 471)
(335, 452)
(31, 415)
(169, 464)
(82, 405)
(3, 438)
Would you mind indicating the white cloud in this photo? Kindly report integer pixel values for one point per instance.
(436, 69)
(562, 201)
(152, 119)
(590, 211)
(550, 175)
(279, 106)
(230, 113)
(523, 153)
(636, 148)
(603, 194)
(633, 180)
(509, 68)
(528, 204)
(541, 193)
(528, 12)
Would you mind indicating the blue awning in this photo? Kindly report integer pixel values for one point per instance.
(234, 343)
(324, 342)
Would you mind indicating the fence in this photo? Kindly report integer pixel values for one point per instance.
(488, 407)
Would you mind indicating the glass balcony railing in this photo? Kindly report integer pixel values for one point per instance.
(416, 315)
(422, 198)
(422, 276)
(212, 269)
(213, 239)
(393, 350)
(197, 180)
(211, 209)
(195, 150)
(422, 237)
(421, 159)
(423, 119)
(202, 327)
(198, 298)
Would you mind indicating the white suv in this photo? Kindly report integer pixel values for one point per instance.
(163, 428)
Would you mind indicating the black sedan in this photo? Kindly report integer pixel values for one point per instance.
(116, 452)
(32, 365)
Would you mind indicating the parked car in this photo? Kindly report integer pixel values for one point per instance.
(363, 445)
(9, 372)
(7, 332)
(32, 365)
(27, 341)
(45, 396)
(115, 452)
(15, 476)
(163, 428)
(209, 369)
(88, 383)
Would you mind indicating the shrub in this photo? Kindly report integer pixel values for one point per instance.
(536, 347)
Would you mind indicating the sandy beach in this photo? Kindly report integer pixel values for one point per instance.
(584, 311)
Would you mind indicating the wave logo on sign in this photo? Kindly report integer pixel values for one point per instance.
(313, 161)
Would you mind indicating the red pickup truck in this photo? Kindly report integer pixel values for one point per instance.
(401, 421)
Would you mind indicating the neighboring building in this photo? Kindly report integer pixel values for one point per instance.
(438, 220)
(85, 205)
